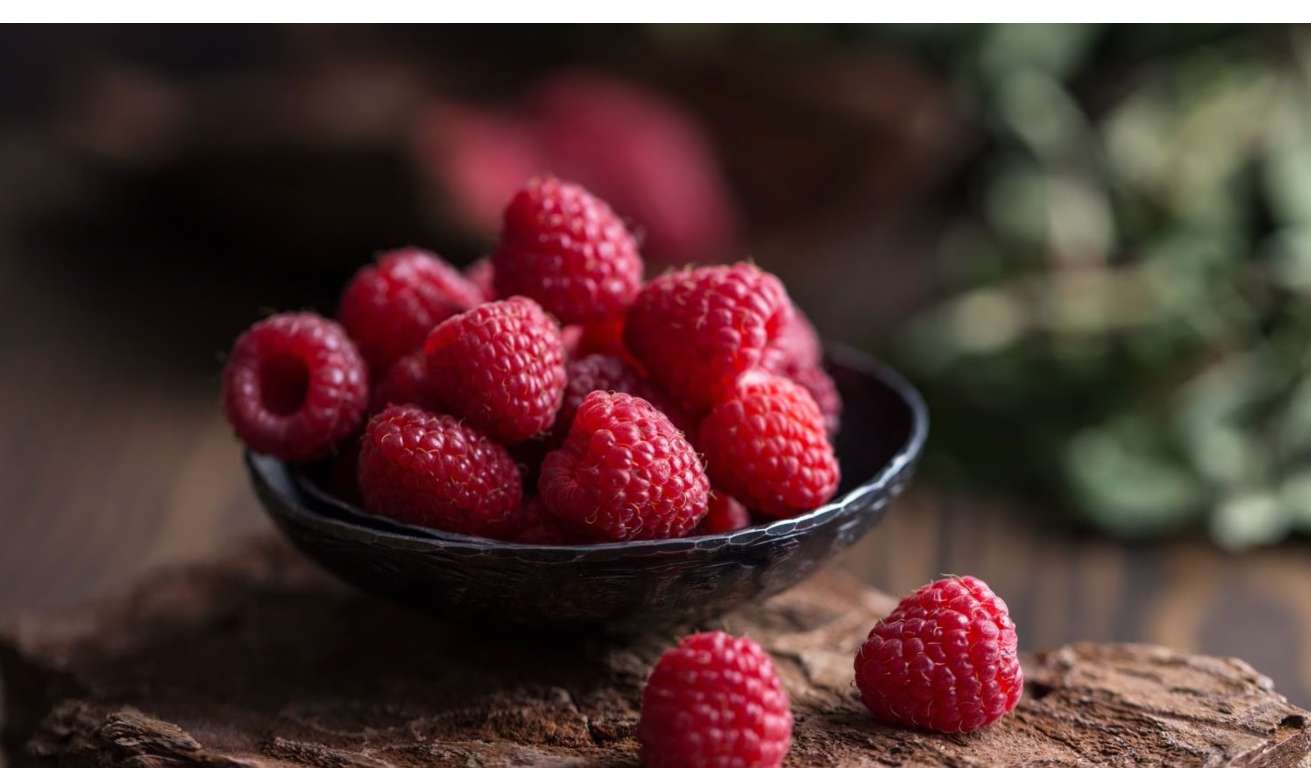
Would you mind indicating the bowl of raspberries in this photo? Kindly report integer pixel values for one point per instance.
(552, 437)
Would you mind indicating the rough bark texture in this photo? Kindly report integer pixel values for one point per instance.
(260, 660)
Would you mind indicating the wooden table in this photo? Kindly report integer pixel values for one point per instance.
(257, 659)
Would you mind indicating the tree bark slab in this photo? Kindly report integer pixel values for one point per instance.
(257, 659)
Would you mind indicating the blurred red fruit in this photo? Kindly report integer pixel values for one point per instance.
(643, 154)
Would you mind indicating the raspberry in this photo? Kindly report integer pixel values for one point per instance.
(476, 158)
(625, 472)
(570, 335)
(528, 456)
(944, 660)
(294, 386)
(389, 307)
(766, 445)
(714, 701)
(535, 525)
(796, 347)
(343, 478)
(646, 155)
(501, 366)
(726, 514)
(481, 275)
(610, 374)
(797, 353)
(697, 330)
(825, 393)
(607, 338)
(434, 471)
(405, 382)
(567, 250)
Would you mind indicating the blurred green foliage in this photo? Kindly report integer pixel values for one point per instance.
(1128, 326)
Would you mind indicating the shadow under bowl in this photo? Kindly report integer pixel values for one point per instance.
(626, 585)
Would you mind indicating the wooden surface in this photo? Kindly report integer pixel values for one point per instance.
(259, 659)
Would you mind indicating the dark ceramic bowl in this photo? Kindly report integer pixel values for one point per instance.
(623, 585)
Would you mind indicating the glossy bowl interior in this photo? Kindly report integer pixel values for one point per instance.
(622, 585)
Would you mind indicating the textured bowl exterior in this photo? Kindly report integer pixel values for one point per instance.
(625, 585)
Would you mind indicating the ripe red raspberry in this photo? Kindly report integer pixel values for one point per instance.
(610, 374)
(625, 472)
(528, 455)
(696, 331)
(944, 660)
(645, 155)
(825, 393)
(389, 307)
(712, 702)
(405, 382)
(501, 366)
(434, 471)
(571, 335)
(534, 524)
(343, 479)
(480, 273)
(796, 347)
(726, 514)
(797, 353)
(765, 444)
(567, 250)
(607, 338)
(294, 386)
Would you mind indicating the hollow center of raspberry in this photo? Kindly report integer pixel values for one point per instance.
(284, 381)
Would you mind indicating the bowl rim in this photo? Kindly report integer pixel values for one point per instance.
(261, 467)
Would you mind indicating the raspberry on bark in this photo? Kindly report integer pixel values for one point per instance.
(714, 701)
(434, 471)
(698, 330)
(500, 366)
(389, 307)
(943, 660)
(565, 248)
(625, 472)
(294, 386)
(766, 444)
